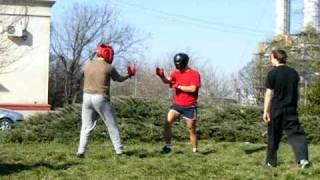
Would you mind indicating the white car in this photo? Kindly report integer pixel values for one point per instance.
(8, 118)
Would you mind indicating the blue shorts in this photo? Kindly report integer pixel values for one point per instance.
(187, 112)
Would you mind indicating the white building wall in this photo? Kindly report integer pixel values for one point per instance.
(26, 81)
(311, 13)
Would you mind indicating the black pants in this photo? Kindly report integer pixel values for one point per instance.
(286, 119)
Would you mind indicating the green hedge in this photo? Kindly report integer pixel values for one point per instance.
(142, 120)
(313, 110)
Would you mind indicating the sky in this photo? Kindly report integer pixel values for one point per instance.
(221, 33)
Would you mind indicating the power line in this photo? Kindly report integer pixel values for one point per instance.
(257, 23)
(197, 21)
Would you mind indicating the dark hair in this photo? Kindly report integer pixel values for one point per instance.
(280, 55)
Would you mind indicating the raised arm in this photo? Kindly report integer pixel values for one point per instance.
(117, 77)
(160, 73)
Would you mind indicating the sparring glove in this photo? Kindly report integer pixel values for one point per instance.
(132, 70)
(160, 72)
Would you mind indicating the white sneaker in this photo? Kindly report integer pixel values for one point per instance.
(268, 165)
(304, 163)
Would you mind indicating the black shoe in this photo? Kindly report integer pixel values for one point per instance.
(166, 150)
(80, 155)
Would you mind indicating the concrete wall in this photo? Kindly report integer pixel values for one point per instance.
(25, 82)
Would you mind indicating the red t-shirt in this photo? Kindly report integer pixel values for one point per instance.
(187, 77)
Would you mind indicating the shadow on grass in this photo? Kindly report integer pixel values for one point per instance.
(141, 153)
(207, 151)
(254, 150)
(148, 154)
(7, 169)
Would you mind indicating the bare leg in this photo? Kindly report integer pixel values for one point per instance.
(191, 124)
(172, 116)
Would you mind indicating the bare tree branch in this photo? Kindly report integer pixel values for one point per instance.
(75, 39)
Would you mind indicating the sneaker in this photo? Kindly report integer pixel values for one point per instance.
(120, 153)
(268, 165)
(304, 163)
(194, 150)
(166, 150)
(80, 155)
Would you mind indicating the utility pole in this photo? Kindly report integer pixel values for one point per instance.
(305, 91)
(135, 85)
(239, 95)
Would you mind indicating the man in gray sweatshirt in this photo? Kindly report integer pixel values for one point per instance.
(96, 97)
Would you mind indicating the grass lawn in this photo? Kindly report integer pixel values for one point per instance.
(144, 161)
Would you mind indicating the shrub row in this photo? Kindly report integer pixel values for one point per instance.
(142, 119)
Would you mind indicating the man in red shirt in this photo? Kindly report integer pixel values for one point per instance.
(186, 82)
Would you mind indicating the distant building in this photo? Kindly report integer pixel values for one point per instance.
(25, 28)
(311, 13)
(282, 17)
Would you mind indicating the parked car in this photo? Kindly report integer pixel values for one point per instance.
(8, 118)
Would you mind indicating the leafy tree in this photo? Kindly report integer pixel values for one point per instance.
(303, 51)
(253, 77)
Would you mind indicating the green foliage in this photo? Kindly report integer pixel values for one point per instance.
(310, 110)
(311, 125)
(138, 119)
(314, 94)
(313, 106)
(143, 119)
(231, 123)
(60, 126)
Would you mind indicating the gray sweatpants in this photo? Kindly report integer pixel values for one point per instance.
(93, 106)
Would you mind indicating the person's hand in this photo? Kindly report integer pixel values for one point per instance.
(266, 117)
(174, 85)
(160, 72)
(132, 70)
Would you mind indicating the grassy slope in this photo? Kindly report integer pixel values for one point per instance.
(215, 161)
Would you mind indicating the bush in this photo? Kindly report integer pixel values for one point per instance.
(138, 119)
(143, 119)
(313, 106)
(314, 94)
(310, 110)
(311, 125)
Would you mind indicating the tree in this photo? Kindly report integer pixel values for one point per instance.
(213, 85)
(146, 84)
(75, 38)
(253, 76)
(303, 51)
